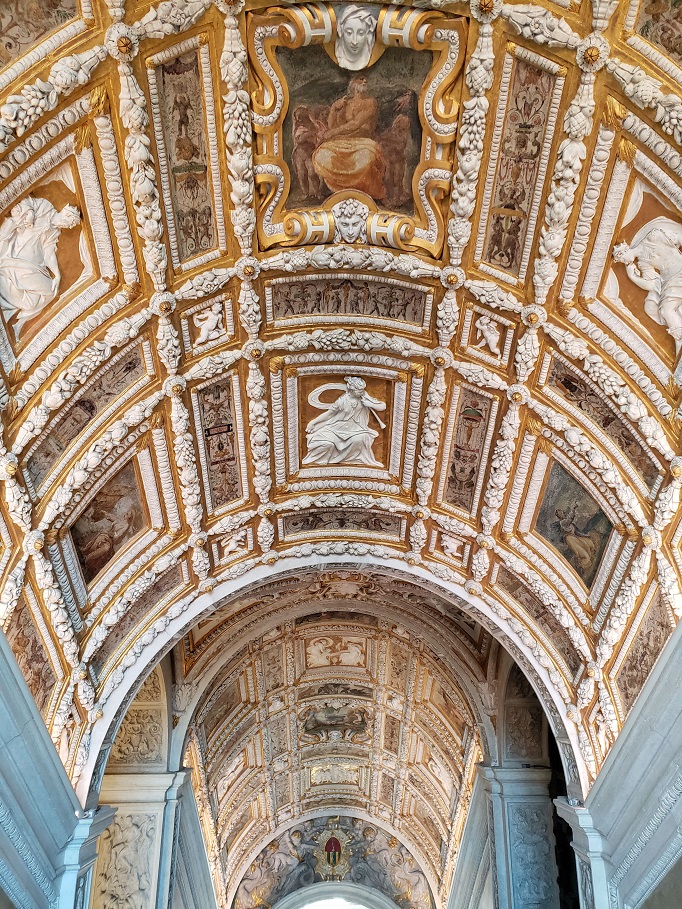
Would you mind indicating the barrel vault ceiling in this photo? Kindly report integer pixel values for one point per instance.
(378, 305)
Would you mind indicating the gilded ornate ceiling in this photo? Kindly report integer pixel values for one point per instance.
(389, 296)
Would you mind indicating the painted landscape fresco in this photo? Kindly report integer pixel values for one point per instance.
(573, 523)
(185, 134)
(353, 130)
(111, 520)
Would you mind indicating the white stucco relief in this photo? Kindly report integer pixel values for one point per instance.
(342, 433)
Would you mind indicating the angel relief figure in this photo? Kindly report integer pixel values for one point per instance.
(653, 261)
(342, 434)
(29, 269)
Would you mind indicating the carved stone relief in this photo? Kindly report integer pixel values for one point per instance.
(139, 739)
(531, 844)
(342, 433)
(125, 871)
(30, 276)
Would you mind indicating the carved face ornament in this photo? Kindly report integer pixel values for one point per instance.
(355, 37)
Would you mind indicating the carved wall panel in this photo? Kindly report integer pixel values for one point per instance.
(125, 864)
(141, 740)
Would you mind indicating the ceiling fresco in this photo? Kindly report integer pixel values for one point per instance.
(377, 305)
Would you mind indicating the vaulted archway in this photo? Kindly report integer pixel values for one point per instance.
(326, 327)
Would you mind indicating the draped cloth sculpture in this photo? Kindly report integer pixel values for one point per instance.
(342, 433)
(29, 270)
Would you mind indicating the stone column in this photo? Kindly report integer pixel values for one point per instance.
(591, 855)
(521, 837)
(136, 852)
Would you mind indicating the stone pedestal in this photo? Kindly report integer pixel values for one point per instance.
(79, 858)
(521, 837)
(593, 861)
(136, 852)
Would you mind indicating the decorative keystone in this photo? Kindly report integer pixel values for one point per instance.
(592, 53)
(34, 542)
(247, 268)
(162, 304)
(651, 537)
(485, 10)
(9, 465)
(518, 394)
(533, 315)
(254, 350)
(441, 358)
(174, 386)
(452, 277)
(122, 42)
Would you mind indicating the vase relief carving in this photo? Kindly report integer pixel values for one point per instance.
(29, 269)
(342, 434)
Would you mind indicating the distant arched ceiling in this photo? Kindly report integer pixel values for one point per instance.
(425, 317)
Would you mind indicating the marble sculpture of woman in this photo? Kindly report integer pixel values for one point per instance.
(342, 433)
(29, 270)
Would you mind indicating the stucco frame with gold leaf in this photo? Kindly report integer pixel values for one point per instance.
(311, 24)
